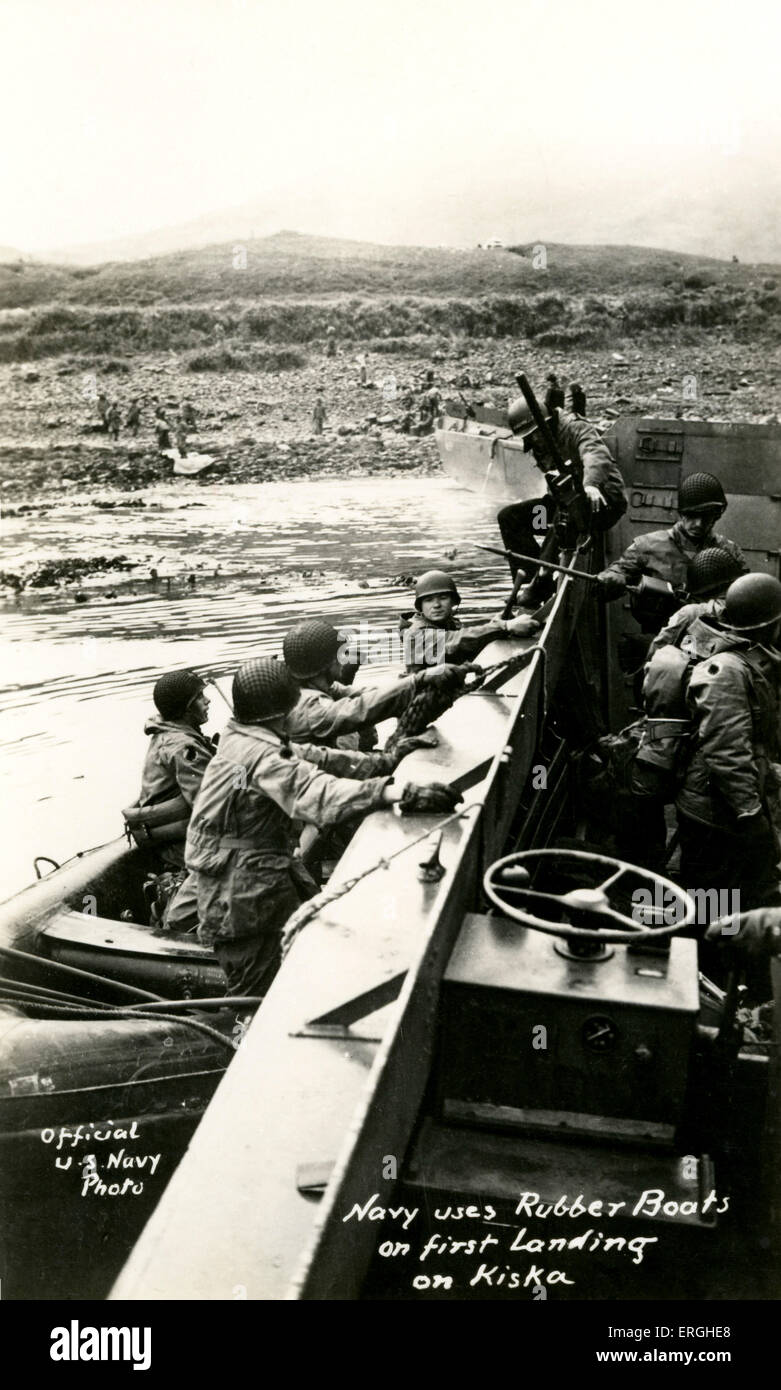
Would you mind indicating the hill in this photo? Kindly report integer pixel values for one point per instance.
(290, 288)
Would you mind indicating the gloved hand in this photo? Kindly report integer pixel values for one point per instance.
(756, 933)
(610, 585)
(408, 745)
(434, 796)
(447, 677)
(522, 626)
(595, 497)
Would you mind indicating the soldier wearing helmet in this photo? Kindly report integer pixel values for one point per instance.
(709, 576)
(241, 839)
(176, 759)
(667, 554)
(729, 795)
(581, 444)
(326, 709)
(434, 634)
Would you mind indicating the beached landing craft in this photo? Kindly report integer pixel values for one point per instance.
(390, 1128)
(354, 1082)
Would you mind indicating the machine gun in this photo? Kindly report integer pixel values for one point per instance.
(565, 484)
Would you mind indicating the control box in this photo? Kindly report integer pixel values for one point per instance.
(529, 1034)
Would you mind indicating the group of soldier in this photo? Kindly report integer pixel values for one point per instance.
(110, 416)
(252, 820)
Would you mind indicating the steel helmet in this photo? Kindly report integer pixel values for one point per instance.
(711, 571)
(753, 601)
(174, 691)
(263, 688)
(520, 418)
(699, 492)
(435, 582)
(310, 647)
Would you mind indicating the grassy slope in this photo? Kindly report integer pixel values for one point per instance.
(293, 286)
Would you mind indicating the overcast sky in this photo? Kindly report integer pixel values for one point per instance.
(119, 118)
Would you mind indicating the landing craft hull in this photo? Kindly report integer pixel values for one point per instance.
(488, 464)
(303, 1100)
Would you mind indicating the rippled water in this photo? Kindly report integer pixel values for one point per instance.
(77, 678)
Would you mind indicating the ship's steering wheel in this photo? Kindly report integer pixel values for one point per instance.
(585, 914)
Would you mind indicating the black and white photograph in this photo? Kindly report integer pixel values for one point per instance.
(390, 573)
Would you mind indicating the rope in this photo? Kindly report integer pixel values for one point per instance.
(309, 909)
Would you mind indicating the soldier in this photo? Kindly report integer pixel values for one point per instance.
(102, 407)
(113, 420)
(319, 412)
(240, 843)
(521, 523)
(709, 576)
(328, 710)
(435, 634)
(725, 803)
(133, 419)
(577, 398)
(554, 396)
(667, 554)
(188, 416)
(176, 759)
(162, 429)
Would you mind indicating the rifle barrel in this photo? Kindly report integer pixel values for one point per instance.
(543, 564)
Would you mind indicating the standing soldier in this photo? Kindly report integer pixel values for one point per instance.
(554, 396)
(102, 407)
(162, 429)
(725, 803)
(114, 420)
(241, 840)
(667, 554)
(133, 419)
(319, 412)
(188, 416)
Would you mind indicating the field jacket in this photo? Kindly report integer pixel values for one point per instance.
(241, 838)
(581, 443)
(318, 717)
(667, 555)
(176, 759)
(431, 644)
(733, 696)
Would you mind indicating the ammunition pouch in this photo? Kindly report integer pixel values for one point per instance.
(157, 825)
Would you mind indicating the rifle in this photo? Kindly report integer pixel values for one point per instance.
(655, 597)
(470, 410)
(563, 480)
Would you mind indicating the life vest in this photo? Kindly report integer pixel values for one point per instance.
(159, 824)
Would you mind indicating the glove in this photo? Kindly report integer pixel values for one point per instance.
(435, 796)
(522, 626)
(757, 933)
(610, 585)
(408, 745)
(446, 677)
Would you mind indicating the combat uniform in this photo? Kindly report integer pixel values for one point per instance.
(730, 780)
(241, 841)
(176, 759)
(581, 443)
(675, 633)
(430, 643)
(323, 717)
(667, 555)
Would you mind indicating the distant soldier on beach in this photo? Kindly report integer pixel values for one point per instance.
(113, 420)
(554, 396)
(162, 429)
(319, 412)
(133, 418)
(181, 438)
(188, 415)
(102, 407)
